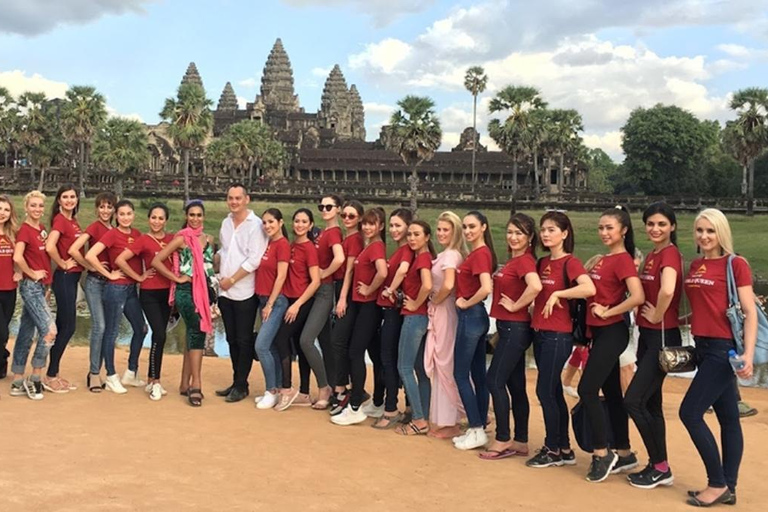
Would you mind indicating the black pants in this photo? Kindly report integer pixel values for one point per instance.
(284, 339)
(506, 378)
(65, 290)
(239, 317)
(602, 372)
(326, 339)
(389, 341)
(7, 307)
(340, 337)
(305, 370)
(154, 303)
(366, 326)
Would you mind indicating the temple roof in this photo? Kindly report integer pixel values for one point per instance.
(192, 75)
(335, 89)
(228, 99)
(277, 80)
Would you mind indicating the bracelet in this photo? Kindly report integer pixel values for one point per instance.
(232, 280)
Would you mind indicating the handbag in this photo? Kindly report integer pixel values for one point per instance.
(736, 318)
(582, 429)
(676, 359)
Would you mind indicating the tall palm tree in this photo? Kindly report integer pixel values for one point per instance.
(536, 134)
(51, 147)
(83, 112)
(6, 123)
(121, 144)
(566, 125)
(191, 122)
(475, 81)
(415, 136)
(749, 135)
(33, 124)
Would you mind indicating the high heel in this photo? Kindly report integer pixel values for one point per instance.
(726, 498)
(93, 387)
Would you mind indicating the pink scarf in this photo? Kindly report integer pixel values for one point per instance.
(199, 285)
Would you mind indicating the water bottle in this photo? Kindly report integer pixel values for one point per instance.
(737, 363)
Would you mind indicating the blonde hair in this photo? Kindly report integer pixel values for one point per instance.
(11, 226)
(591, 262)
(721, 225)
(457, 240)
(35, 194)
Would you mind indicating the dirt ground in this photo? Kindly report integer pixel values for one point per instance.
(87, 452)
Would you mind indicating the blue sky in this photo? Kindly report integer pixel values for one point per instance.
(601, 57)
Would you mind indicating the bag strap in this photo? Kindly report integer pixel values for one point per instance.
(733, 292)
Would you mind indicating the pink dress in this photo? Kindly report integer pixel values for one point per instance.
(445, 402)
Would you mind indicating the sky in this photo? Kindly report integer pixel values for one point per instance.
(602, 57)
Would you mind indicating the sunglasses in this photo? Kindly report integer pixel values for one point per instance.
(350, 216)
(326, 207)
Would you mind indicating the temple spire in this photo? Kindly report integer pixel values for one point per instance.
(277, 92)
(192, 76)
(357, 113)
(228, 99)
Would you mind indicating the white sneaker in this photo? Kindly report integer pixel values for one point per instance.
(268, 401)
(571, 391)
(113, 384)
(459, 438)
(131, 379)
(33, 389)
(373, 411)
(349, 416)
(475, 438)
(156, 393)
(148, 388)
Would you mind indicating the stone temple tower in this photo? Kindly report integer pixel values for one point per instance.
(277, 92)
(192, 76)
(227, 100)
(335, 105)
(357, 114)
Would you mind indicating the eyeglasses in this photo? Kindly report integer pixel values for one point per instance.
(350, 216)
(326, 207)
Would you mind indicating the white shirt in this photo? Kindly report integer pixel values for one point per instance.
(241, 247)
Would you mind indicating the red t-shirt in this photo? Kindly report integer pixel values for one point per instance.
(650, 275)
(478, 262)
(510, 280)
(6, 265)
(68, 230)
(277, 251)
(401, 254)
(95, 231)
(147, 247)
(303, 257)
(34, 251)
(115, 241)
(707, 288)
(352, 245)
(551, 275)
(324, 243)
(609, 276)
(412, 282)
(364, 270)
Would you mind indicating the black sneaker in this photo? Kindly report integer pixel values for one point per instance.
(625, 464)
(341, 402)
(650, 478)
(569, 459)
(544, 459)
(641, 473)
(601, 467)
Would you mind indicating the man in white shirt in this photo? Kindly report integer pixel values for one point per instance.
(243, 242)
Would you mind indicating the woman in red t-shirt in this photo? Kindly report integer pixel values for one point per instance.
(661, 276)
(346, 309)
(370, 270)
(300, 286)
(515, 286)
(9, 276)
(31, 259)
(715, 384)
(154, 290)
(64, 231)
(120, 296)
(617, 291)
(94, 282)
(474, 283)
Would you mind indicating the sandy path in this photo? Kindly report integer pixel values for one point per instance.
(87, 452)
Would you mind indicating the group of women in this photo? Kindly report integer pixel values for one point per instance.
(420, 315)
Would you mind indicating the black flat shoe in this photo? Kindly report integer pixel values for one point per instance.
(224, 392)
(726, 498)
(693, 494)
(236, 395)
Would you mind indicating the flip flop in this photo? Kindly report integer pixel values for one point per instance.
(501, 454)
(411, 429)
(194, 397)
(392, 422)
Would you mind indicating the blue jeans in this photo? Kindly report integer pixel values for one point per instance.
(469, 360)
(715, 385)
(119, 299)
(410, 362)
(65, 290)
(35, 315)
(551, 350)
(94, 289)
(266, 349)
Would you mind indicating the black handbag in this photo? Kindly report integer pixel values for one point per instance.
(582, 430)
(676, 359)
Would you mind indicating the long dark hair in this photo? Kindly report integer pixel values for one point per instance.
(277, 215)
(56, 209)
(358, 206)
(487, 237)
(428, 232)
(404, 213)
(621, 214)
(190, 204)
(667, 211)
(373, 216)
(310, 232)
(528, 226)
(563, 222)
(155, 206)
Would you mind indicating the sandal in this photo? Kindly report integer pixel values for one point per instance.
(186, 393)
(392, 422)
(411, 429)
(321, 405)
(501, 454)
(194, 397)
(92, 386)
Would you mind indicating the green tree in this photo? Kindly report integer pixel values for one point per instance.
(33, 125)
(252, 144)
(51, 147)
(748, 135)
(601, 171)
(7, 122)
(191, 122)
(83, 112)
(564, 128)
(415, 136)
(119, 146)
(475, 81)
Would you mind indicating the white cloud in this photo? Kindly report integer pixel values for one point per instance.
(18, 82)
(248, 83)
(610, 142)
(734, 50)
(241, 102)
(378, 109)
(111, 112)
(383, 12)
(384, 56)
(321, 72)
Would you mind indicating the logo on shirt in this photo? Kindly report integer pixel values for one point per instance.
(266, 253)
(130, 240)
(697, 280)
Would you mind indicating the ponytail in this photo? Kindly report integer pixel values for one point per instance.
(427, 232)
(487, 236)
(278, 216)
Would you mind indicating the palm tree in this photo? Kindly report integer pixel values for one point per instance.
(84, 111)
(33, 124)
(749, 135)
(536, 134)
(191, 122)
(120, 145)
(566, 125)
(6, 123)
(475, 81)
(415, 136)
(51, 147)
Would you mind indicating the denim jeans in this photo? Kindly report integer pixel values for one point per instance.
(506, 378)
(715, 386)
(65, 290)
(316, 322)
(410, 363)
(35, 316)
(469, 360)
(266, 349)
(119, 299)
(551, 350)
(94, 290)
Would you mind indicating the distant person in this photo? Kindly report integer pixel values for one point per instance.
(9, 276)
